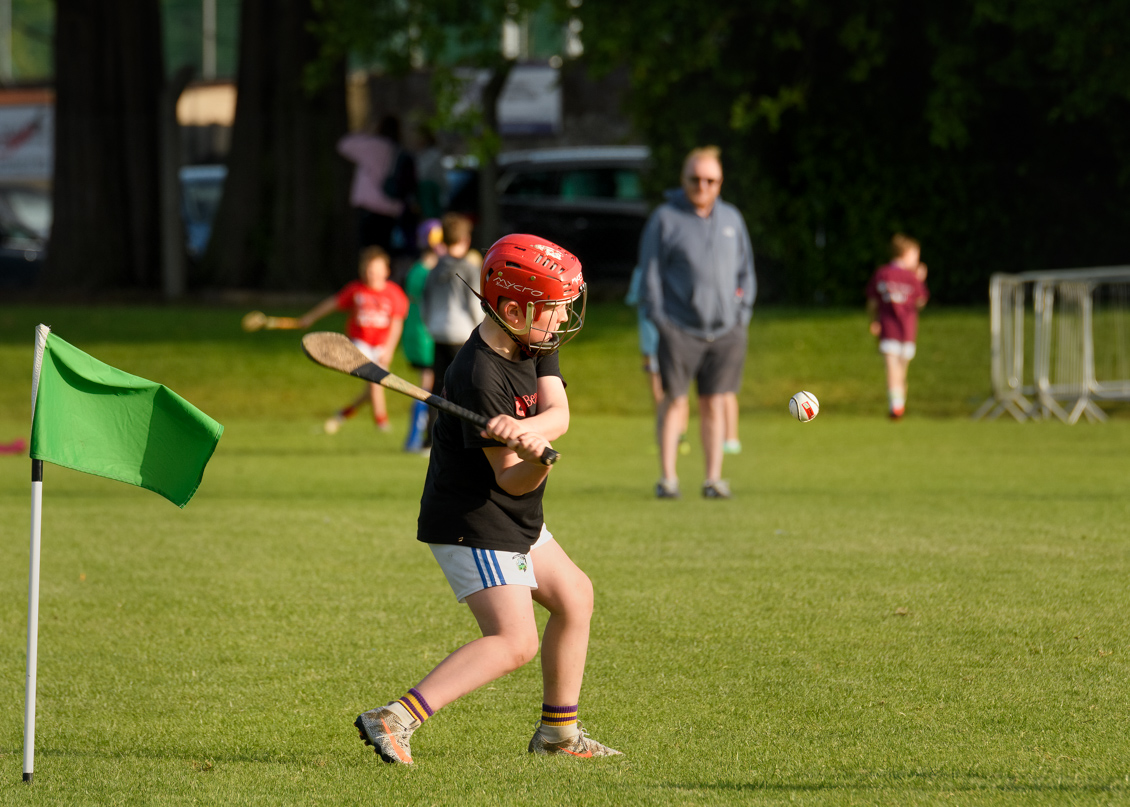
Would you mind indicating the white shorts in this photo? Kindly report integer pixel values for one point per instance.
(468, 569)
(371, 352)
(893, 347)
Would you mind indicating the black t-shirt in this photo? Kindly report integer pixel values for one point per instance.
(462, 502)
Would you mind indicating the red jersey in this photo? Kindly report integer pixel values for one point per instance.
(371, 311)
(899, 294)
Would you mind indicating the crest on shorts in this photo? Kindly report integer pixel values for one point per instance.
(521, 562)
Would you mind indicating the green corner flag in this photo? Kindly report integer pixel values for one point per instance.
(91, 417)
(94, 418)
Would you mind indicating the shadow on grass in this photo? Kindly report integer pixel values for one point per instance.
(202, 759)
(915, 780)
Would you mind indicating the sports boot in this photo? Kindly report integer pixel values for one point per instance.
(716, 489)
(383, 729)
(579, 745)
(667, 489)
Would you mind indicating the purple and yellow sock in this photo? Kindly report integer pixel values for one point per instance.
(416, 705)
(558, 716)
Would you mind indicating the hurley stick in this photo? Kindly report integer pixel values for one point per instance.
(337, 352)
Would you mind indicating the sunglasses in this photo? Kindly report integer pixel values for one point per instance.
(703, 180)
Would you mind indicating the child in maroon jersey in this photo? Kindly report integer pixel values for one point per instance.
(895, 294)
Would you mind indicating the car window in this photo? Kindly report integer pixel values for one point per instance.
(601, 183)
(534, 184)
(629, 184)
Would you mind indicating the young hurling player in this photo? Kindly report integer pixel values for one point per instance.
(481, 510)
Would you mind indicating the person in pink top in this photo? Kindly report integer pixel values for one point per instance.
(895, 294)
(377, 308)
(374, 154)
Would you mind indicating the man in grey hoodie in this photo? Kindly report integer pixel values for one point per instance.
(698, 289)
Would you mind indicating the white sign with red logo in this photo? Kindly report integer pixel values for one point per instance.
(27, 136)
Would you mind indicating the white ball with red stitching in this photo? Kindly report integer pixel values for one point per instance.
(804, 406)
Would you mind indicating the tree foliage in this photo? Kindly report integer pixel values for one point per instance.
(447, 37)
(989, 129)
(284, 221)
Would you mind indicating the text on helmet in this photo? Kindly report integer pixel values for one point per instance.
(510, 286)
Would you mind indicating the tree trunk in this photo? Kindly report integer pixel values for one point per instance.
(174, 259)
(109, 73)
(489, 216)
(284, 219)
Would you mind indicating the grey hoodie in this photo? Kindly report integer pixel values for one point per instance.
(697, 272)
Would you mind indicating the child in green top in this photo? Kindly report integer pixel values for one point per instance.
(419, 347)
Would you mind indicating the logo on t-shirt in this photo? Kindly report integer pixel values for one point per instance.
(892, 291)
(372, 312)
(524, 403)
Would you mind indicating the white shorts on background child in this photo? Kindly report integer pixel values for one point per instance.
(893, 347)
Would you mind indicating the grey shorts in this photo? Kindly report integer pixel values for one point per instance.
(715, 365)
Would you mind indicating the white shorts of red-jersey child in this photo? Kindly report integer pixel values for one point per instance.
(371, 352)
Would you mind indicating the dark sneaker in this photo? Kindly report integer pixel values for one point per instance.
(718, 489)
(667, 489)
(580, 745)
(383, 729)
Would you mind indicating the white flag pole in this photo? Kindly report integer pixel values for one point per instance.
(33, 571)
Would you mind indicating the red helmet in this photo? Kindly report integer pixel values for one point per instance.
(535, 273)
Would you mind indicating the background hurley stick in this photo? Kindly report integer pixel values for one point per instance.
(257, 320)
(337, 352)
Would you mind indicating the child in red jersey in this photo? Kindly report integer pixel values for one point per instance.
(377, 308)
(895, 294)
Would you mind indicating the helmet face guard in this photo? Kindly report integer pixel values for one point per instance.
(543, 341)
(539, 276)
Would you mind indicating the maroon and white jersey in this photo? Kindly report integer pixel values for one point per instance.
(899, 294)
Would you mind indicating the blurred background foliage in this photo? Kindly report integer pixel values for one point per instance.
(992, 130)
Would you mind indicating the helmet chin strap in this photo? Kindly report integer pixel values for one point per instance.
(505, 326)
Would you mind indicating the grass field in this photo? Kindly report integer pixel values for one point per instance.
(928, 612)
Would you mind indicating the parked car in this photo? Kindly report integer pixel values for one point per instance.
(26, 214)
(589, 200)
(25, 227)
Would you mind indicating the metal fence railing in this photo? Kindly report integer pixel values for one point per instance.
(1060, 343)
